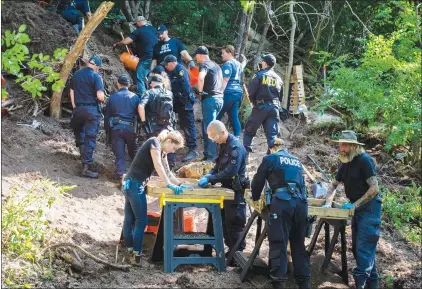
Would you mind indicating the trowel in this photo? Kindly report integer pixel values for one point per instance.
(319, 189)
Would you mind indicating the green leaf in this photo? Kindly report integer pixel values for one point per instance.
(22, 28)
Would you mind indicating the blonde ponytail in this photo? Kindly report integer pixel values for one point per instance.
(174, 136)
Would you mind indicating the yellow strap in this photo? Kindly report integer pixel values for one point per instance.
(164, 199)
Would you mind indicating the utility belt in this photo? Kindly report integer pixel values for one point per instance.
(117, 120)
(289, 191)
(272, 101)
(239, 185)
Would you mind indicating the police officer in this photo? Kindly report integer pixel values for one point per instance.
(167, 46)
(210, 89)
(152, 106)
(265, 92)
(183, 102)
(86, 90)
(145, 38)
(230, 171)
(122, 110)
(288, 213)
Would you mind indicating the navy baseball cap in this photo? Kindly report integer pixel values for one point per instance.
(157, 78)
(158, 69)
(269, 59)
(167, 59)
(96, 60)
(161, 29)
(124, 79)
(201, 50)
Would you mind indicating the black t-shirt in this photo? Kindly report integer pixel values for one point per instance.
(213, 82)
(163, 48)
(354, 175)
(145, 37)
(142, 165)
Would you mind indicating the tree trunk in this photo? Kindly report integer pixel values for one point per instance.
(147, 9)
(127, 11)
(263, 35)
(240, 33)
(246, 32)
(72, 56)
(291, 52)
(134, 6)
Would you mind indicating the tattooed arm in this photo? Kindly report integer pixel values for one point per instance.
(331, 192)
(370, 193)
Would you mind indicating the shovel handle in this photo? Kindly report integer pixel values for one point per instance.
(127, 48)
(309, 174)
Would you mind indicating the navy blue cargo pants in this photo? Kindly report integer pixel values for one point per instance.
(85, 123)
(288, 221)
(120, 139)
(72, 15)
(266, 115)
(187, 124)
(366, 224)
(234, 219)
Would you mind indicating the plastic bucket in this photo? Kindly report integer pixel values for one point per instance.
(189, 223)
(129, 61)
(194, 75)
(153, 222)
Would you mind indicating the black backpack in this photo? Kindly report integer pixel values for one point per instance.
(164, 107)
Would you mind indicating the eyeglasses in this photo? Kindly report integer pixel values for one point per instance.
(216, 137)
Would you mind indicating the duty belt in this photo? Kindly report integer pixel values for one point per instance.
(85, 104)
(272, 101)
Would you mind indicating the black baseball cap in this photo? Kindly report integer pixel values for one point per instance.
(124, 79)
(269, 59)
(161, 28)
(157, 78)
(201, 50)
(158, 69)
(167, 59)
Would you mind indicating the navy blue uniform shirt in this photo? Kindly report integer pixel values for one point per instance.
(354, 175)
(265, 85)
(163, 48)
(180, 85)
(123, 104)
(278, 169)
(85, 83)
(231, 162)
(213, 82)
(232, 69)
(145, 37)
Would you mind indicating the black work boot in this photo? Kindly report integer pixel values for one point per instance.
(193, 154)
(88, 172)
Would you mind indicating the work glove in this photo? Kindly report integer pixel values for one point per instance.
(191, 64)
(186, 187)
(203, 182)
(348, 206)
(326, 206)
(176, 189)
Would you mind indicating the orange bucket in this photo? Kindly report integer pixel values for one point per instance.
(189, 223)
(129, 61)
(153, 222)
(194, 75)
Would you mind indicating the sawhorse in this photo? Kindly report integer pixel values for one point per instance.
(339, 229)
(240, 258)
(167, 240)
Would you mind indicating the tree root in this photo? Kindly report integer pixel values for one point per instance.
(89, 255)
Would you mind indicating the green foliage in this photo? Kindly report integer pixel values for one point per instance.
(381, 89)
(25, 229)
(403, 212)
(16, 60)
(244, 113)
(247, 5)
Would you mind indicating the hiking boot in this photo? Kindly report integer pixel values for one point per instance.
(88, 172)
(140, 261)
(193, 154)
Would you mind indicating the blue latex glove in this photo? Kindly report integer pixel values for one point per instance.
(326, 206)
(208, 175)
(186, 187)
(348, 206)
(176, 189)
(203, 182)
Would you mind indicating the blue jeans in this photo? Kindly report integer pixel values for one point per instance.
(366, 225)
(120, 139)
(232, 108)
(142, 71)
(266, 115)
(211, 107)
(85, 122)
(136, 218)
